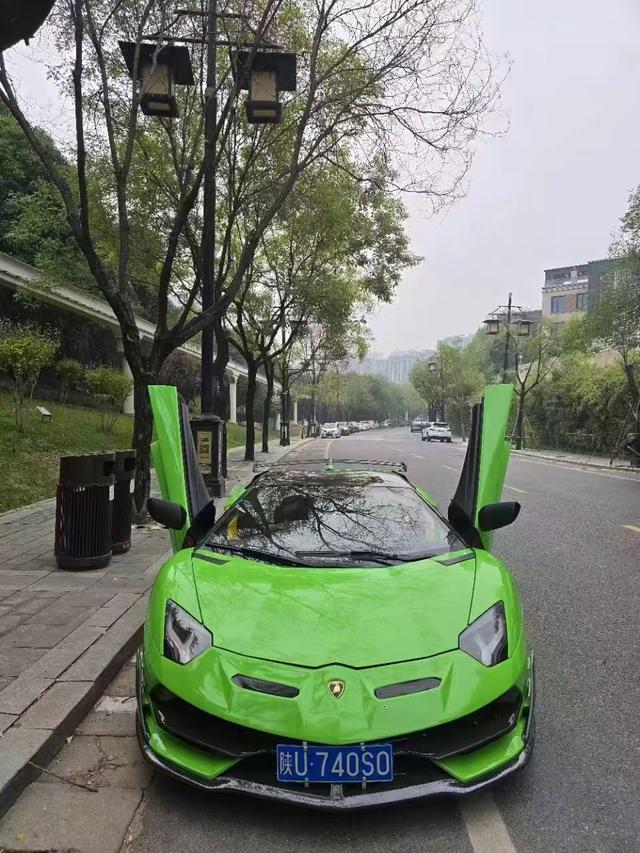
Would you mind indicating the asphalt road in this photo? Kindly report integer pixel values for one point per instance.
(578, 570)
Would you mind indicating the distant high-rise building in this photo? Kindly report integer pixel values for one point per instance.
(395, 367)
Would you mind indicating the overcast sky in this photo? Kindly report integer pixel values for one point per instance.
(552, 190)
(548, 193)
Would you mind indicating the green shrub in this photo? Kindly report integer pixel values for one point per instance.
(70, 373)
(24, 352)
(113, 388)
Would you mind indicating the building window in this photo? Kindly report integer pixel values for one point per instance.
(557, 304)
(582, 301)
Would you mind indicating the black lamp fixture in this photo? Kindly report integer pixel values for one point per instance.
(492, 325)
(160, 68)
(523, 328)
(20, 20)
(264, 76)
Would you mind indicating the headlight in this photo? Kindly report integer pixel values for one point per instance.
(184, 637)
(486, 638)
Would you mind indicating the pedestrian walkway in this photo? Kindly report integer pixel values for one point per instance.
(589, 460)
(65, 634)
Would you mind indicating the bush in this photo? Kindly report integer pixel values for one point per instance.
(71, 373)
(24, 352)
(113, 388)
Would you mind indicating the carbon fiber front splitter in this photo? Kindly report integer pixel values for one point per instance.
(336, 799)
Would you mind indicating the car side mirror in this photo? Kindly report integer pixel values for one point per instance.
(493, 516)
(167, 513)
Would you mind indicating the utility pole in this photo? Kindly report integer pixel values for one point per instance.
(209, 208)
(505, 364)
(284, 381)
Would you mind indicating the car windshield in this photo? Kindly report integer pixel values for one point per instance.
(330, 426)
(441, 425)
(335, 519)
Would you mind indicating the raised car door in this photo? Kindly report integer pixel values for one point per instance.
(174, 457)
(485, 465)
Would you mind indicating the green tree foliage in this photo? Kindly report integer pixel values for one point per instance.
(71, 374)
(112, 387)
(350, 396)
(24, 352)
(613, 322)
(582, 407)
(453, 379)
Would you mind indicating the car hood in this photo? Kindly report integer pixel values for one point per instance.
(316, 616)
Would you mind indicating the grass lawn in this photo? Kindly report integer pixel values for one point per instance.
(29, 461)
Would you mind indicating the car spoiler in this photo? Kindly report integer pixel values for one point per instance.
(331, 464)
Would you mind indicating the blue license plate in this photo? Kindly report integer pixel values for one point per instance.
(334, 764)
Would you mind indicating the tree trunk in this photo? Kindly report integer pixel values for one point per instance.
(266, 414)
(250, 406)
(520, 422)
(220, 362)
(141, 441)
(634, 391)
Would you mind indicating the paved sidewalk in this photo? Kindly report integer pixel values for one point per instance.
(65, 634)
(588, 460)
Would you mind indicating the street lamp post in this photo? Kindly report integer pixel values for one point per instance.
(433, 366)
(265, 74)
(494, 321)
(285, 440)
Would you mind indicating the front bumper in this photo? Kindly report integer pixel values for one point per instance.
(409, 786)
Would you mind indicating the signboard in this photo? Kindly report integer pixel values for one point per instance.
(203, 447)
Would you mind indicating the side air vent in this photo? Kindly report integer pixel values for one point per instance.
(404, 688)
(260, 686)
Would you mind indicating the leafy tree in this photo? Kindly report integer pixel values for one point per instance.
(24, 352)
(535, 358)
(113, 388)
(71, 373)
(368, 75)
(613, 322)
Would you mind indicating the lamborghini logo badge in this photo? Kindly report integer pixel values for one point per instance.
(336, 688)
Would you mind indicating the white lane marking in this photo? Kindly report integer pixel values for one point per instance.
(416, 456)
(486, 830)
(571, 467)
(449, 468)
(514, 489)
(328, 447)
(631, 527)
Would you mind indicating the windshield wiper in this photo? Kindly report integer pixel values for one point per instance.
(256, 553)
(364, 554)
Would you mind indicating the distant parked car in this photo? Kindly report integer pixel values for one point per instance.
(344, 428)
(417, 425)
(437, 431)
(330, 431)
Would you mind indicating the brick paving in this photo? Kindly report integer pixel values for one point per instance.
(50, 616)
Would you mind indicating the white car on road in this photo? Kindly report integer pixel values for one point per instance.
(330, 431)
(437, 431)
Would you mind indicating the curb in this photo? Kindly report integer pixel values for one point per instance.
(54, 716)
(579, 462)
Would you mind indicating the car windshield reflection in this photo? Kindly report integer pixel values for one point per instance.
(334, 519)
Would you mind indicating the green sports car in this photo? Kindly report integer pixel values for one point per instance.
(332, 639)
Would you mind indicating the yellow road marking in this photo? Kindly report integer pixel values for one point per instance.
(632, 527)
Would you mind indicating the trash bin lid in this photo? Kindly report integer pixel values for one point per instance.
(87, 469)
